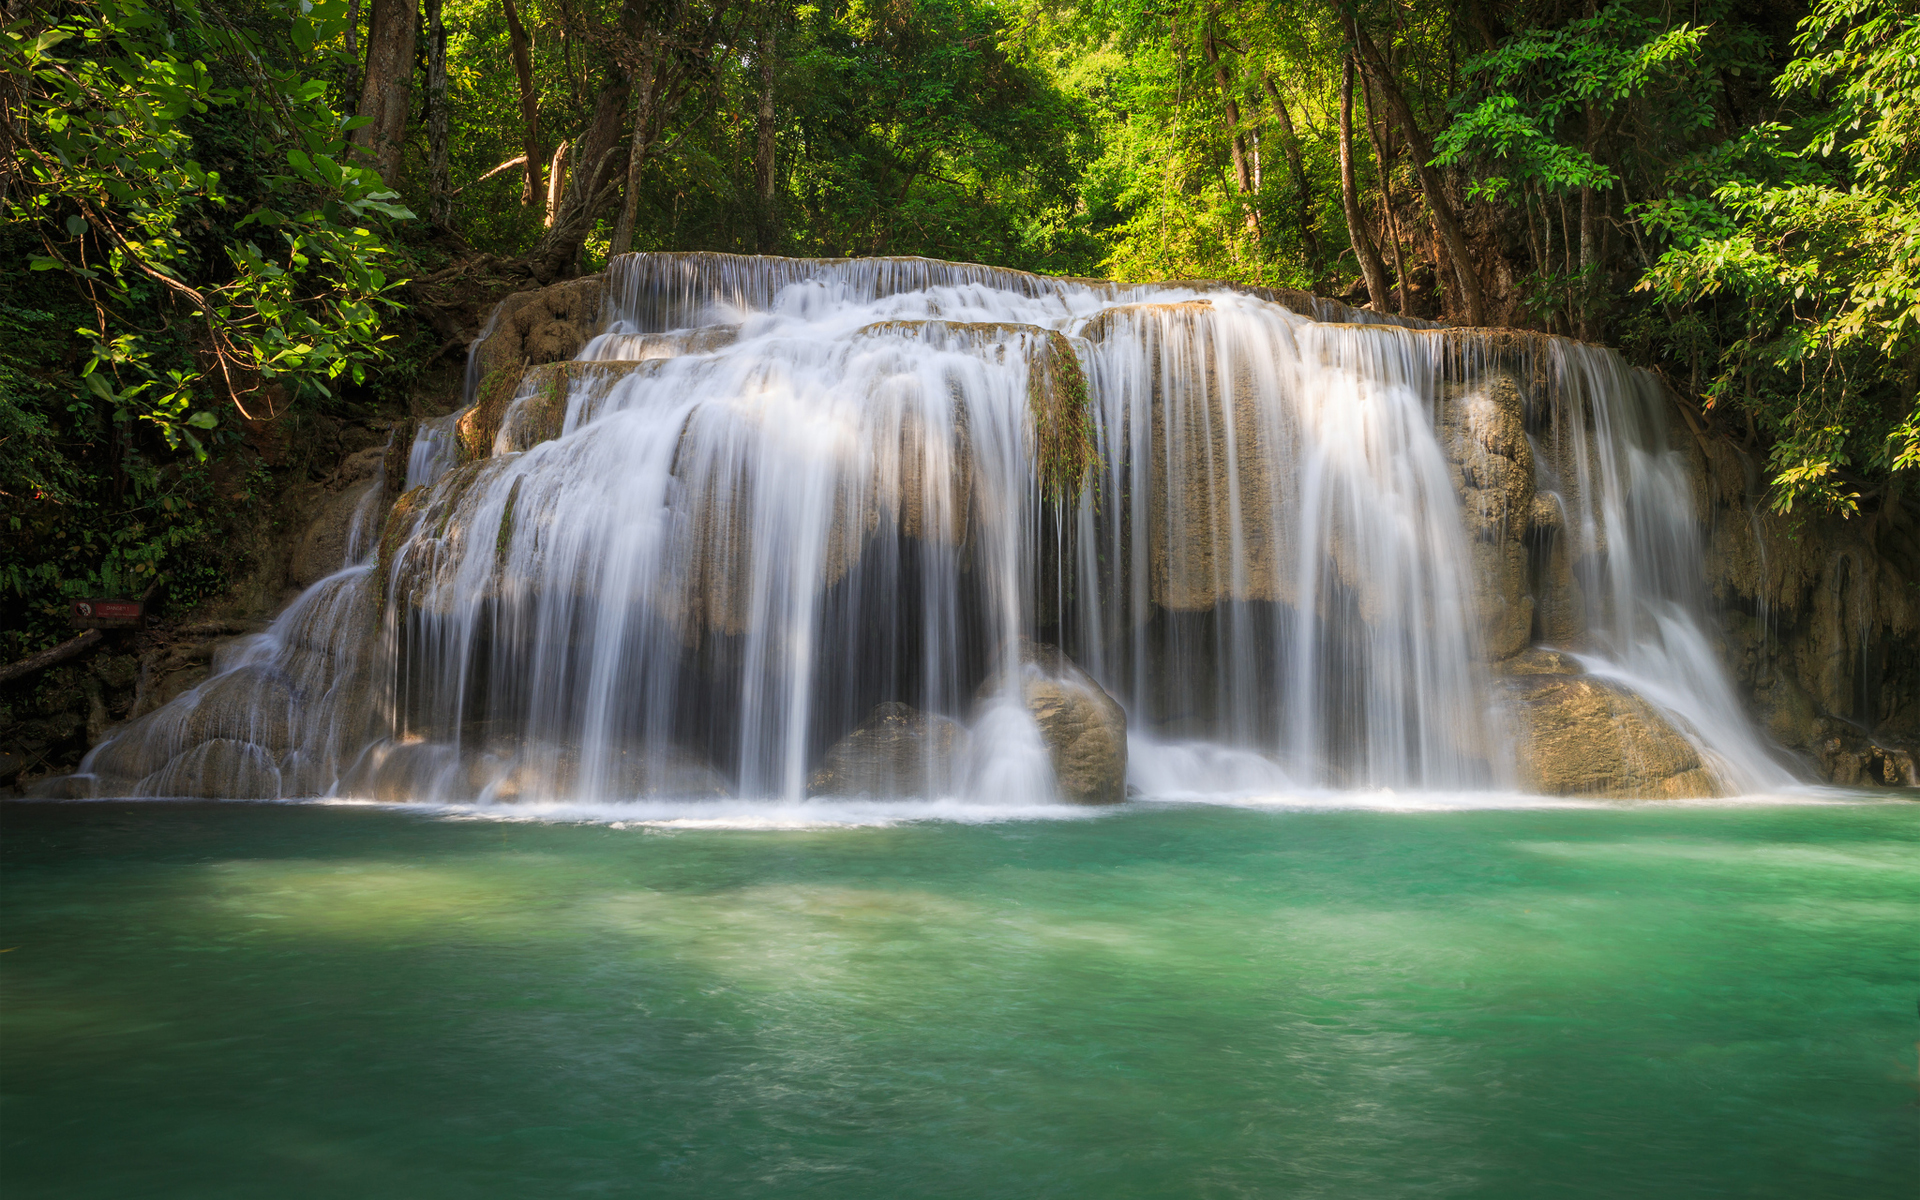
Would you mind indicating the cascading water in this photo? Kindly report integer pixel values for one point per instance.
(776, 500)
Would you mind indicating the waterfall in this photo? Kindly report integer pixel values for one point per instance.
(778, 510)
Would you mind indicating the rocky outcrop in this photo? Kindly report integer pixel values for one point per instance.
(1085, 730)
(1822, 626)
(897, 751)
(1483, 427)
(344, 518)
(549, 324)
(1576, 735)
(403, 772)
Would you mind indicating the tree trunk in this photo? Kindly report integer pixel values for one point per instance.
(557, 181)
(439, 197)
(643, 91)
(764, 232)
(48, 658)
(393, 27)
(352, 87)
(1371, 268)
(1290, 145)
(1430, 182)
(520, 47)
(1388, 224)
(1230, 111)
(1230, 114)
(590, 187)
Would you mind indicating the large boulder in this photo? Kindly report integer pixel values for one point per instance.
(1084, 728)
(1577, 735)
(897, 751)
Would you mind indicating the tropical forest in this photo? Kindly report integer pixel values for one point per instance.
(747, 598)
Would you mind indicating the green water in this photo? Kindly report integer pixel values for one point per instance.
(280, 1001)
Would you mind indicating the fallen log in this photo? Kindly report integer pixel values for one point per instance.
(46, 658)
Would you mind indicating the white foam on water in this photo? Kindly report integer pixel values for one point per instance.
(709, 814)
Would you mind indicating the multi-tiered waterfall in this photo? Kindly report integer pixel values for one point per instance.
(792, 526)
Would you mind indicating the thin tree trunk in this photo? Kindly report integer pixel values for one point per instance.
(393, 27)
(764, 232)
(1371, 268)
(1388, 223)
(557, 181)
(1230, 112)
(1430, 182)
(643, 80)
(1290, 146)
(439, 198)
(352, 87)
(520, 47)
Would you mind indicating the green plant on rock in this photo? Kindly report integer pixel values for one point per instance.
(1065, 454)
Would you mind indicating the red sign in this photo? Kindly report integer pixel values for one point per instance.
(96, 614)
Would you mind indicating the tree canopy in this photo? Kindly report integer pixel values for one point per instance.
(213, 207)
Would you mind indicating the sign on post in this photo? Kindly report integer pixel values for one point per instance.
(107, 614)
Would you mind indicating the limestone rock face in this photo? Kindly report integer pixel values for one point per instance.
(548, 324)
(323, 547)
(1483, 426)
(1832, 669)
(1216, 471)
(1850, 760)
(1084, 728)
(897, 751)
(1581, 736)
(400, 772)
(219, 769)
(1538, 660)
(546, 771)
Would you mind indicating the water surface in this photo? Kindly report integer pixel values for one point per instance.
(227, 1000)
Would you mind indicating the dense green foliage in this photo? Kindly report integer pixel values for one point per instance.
(190, 250)
(198, 259)
(1813, 235)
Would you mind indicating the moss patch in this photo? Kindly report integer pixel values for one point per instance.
(1064, 450)
(479, 425)
(503, 541)
(396, 530)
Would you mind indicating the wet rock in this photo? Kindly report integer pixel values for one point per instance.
(1084, 728)
(345, 517)
(221, 769)
(403, 772)
(1483, 428)
(547, 772)
(1850, 760)
(250, 704)
(1538, 660)
(897, 751)
(545, 325)
(1580, 736)
(323, 548)
(1215, 473)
